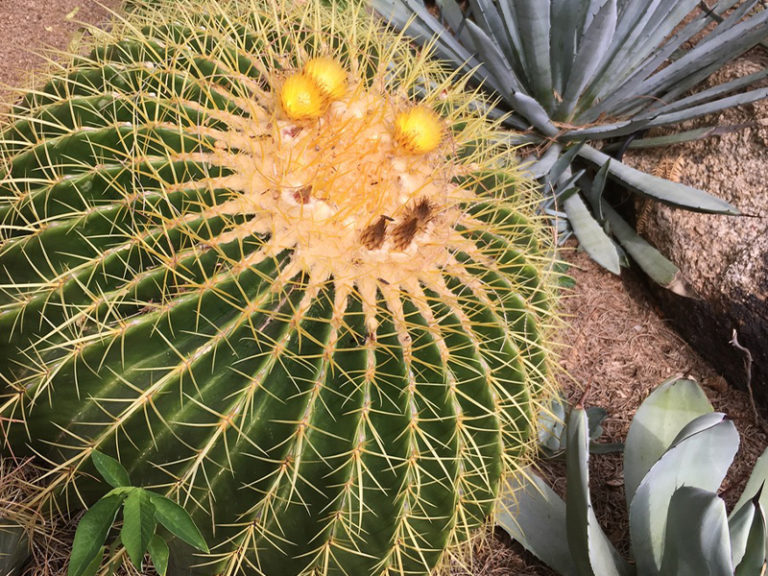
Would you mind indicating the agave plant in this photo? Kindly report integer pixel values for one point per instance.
(281, 270)
(677, 453)
(578, 71)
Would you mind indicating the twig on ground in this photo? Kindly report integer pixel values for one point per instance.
(748, 368)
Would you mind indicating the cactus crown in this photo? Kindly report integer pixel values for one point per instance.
(239, 256)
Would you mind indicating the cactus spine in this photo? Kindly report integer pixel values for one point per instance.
(319, 324)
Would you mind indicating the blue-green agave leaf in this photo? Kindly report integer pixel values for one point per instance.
(685, 136)
(424, 28)
(648, 185)
(487, 16)
(592, 552)
(591, 235)
(631, 47)
(711, 53)
(531, 513)
(533, 112)
(752, 559)
(551, 425)
(619, 96)
(590, 55)
(562, 165)
(657, 266)
(757, 479)
(451, 12)
(532, 17)
(708, 94)
(502, 78)
(739, 527)
(594, 191)
(699, 457)
(709, 107)
(562, 40)
(697, 541)
(656, 424)
(541, 167)
(509, 23)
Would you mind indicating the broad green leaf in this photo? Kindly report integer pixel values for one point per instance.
(697, 540)
(158, 551)
(699, 457)
(757, 479)
(91, 533)
(670, 192)
(138, 525)
(753, 557)
(592, 552)
(658, 267)
(591, 235)
(657, 422)
(177, 521)
(110, 469)
(95, 564)
(534, 515)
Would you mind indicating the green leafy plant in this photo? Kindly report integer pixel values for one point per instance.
(577, 71)
(677, 453)
(281, 269)
(143, 510)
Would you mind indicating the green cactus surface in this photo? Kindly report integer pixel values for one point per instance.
(315, 318)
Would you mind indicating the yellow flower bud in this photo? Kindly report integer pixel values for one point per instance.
(301, 98)
(418, 130)
(329, 76)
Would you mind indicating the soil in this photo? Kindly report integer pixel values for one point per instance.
(618, 349)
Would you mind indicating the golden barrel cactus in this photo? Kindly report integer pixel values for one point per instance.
(277, 264)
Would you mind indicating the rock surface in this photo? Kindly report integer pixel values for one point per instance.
(725, 259)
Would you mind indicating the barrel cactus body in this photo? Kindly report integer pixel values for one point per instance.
(275, 263)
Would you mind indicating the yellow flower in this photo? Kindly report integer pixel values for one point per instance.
(329, 76)
(301, 98)
(418, 130)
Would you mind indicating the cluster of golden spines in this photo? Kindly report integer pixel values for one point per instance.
(306, 95)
